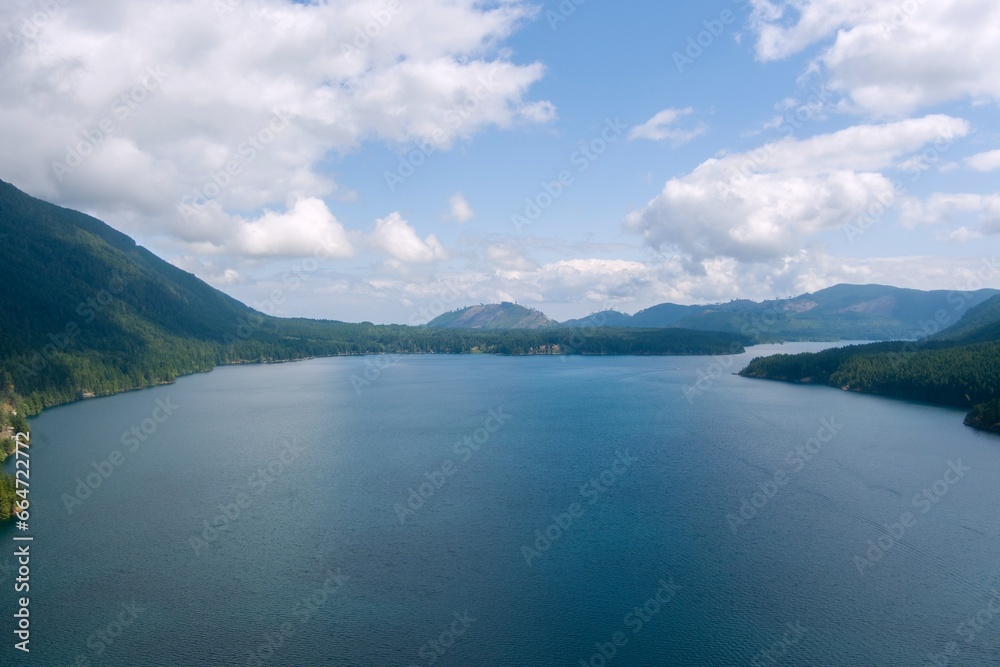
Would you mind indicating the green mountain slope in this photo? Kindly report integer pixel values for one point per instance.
(981, 323)
(55, 258)
(85, 310)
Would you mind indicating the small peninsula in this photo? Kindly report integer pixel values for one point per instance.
(958, 366)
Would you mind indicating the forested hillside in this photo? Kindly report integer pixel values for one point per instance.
(960, 367)
(981, 323)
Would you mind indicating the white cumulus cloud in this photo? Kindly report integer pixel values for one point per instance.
(763, 205)
(397, 238)
(306, 229)
(942, 208)
(890, 58)
(663, 127)
(988, 161)
(148, 105)
(461, 211)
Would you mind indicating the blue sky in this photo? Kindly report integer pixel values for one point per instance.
(682, 181)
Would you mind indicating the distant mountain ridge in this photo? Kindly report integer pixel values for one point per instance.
(494, 316)
(841, 312)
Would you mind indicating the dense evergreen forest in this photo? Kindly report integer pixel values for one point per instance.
(11, 423)
(985, 416)
(959, 367)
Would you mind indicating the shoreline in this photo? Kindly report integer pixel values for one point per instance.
(91, 395)
(969, 420)
(87, 396)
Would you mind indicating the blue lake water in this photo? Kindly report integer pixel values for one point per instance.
(529, 512)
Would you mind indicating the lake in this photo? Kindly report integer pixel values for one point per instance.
(530, 512)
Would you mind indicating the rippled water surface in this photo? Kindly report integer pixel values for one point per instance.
(510, 511)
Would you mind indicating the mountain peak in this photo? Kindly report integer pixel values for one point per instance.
(493, 316)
